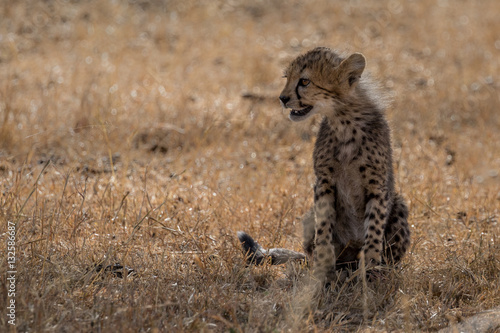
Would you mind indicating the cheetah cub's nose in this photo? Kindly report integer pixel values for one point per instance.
(284, 99)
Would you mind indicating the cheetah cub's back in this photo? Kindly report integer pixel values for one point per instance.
(356, 209)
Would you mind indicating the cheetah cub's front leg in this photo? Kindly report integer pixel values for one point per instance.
(374, 224)
(324, 210)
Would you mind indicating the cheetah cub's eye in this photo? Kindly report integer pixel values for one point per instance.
(304, 82)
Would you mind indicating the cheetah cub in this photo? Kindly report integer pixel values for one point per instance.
(356, 209)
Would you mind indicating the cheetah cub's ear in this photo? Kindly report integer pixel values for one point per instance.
(350, 70)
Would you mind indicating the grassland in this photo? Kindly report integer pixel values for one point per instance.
(148, 133)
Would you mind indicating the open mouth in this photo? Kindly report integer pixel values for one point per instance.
(300, 113)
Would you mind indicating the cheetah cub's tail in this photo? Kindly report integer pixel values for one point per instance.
(257, 255)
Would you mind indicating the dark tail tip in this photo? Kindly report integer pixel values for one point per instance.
(249, 245)
(251, 248)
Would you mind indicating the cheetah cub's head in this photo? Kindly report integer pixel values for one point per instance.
(319, 82)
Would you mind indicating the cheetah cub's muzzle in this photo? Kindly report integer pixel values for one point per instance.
(291, 98)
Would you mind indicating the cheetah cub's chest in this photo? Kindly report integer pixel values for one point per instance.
(336, 156)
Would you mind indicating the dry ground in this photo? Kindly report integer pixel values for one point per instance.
(148, 133)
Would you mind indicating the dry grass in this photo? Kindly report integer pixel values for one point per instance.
(124, 138)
